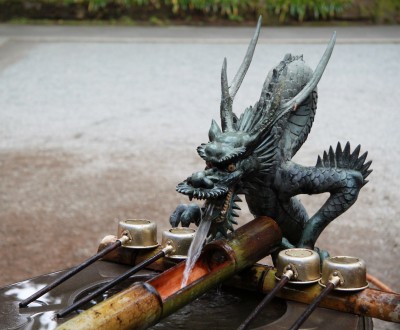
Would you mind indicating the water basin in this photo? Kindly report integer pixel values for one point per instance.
(220, 308)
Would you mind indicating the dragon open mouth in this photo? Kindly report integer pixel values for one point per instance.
(221, 200)
(223, 213)
(201, 193)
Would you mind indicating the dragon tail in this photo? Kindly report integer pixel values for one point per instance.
(344, 158)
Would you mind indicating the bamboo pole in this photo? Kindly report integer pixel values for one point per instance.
(369, 302)
(145, 304)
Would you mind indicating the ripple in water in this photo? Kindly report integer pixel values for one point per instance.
(222, 309)
(197, 244)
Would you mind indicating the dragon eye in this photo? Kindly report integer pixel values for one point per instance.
(231, 167)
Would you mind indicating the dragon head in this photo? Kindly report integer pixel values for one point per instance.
(242, 151)
(218, 183)
(226, 157)
(228, 162)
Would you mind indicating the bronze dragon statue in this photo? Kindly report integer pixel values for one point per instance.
(251, 155)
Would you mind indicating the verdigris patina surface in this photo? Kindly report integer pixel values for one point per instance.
(252, 155)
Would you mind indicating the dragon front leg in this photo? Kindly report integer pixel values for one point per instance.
(185, 214)
(340, 173)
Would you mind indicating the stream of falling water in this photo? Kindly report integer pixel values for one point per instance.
(197, 244)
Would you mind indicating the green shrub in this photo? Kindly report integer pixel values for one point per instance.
(279, 11)
(311, 9)
(234, 9)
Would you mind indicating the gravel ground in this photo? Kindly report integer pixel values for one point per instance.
(95, 132)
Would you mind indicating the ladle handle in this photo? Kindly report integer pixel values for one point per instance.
(303, 317)
(70, 273)
(264, 302)
(112, 283)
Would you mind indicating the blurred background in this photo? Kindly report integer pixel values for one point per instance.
(201, 12)
(103, 103)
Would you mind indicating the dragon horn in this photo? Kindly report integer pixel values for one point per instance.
(228, 94)
(305, 92)
(226, 102)
(237, 81)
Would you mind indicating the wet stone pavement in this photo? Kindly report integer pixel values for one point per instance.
(95, 129)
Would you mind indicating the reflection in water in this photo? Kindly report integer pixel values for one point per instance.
(48, 321)
(197, 243)
(40, 314)
(25, 289)
(221, 310)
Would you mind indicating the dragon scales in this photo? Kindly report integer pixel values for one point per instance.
(251, 155)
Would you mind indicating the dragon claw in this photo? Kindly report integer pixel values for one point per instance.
(185, 214)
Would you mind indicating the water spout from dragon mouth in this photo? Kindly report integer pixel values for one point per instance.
(197, 243)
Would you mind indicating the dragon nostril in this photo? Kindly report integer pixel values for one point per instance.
(199, 180)
(208, 183)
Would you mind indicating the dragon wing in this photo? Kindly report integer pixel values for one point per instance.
(296, 125)
(299, 124)
(287, 103)
(282, 84)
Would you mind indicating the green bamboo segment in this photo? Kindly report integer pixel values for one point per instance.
(145, 304)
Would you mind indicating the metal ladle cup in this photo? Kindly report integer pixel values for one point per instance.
(300, 266)
(142, 233)
(352, 273)
(342, 273)
(304, 263)
(180, 238)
